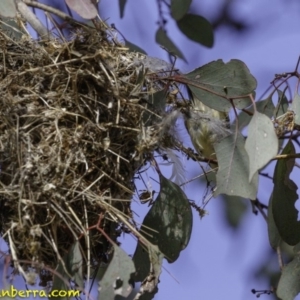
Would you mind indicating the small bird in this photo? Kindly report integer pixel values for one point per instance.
(205, 127)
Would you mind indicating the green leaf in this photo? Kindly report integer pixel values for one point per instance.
(235, 209)
(265, 106)
(284, 198)
(179, 8)
(295, 107)
(134, 48)
(117, 276)
(243, 102)
(289, 284)
(197, 29)
(282, 105)
(217, 82)
(140, 78)
(148, 269)
(72, 270)
(274, 236)
(168, 224)
(156, 259)
(59, 283)
(84, 8)
(10, 25)
(156, 104)
(74, 264)
(296, 249)
(158, 100)
(142, 262)
(233, 172)
(122, 4)
(262, 142)
(8, 9)
(163, 40)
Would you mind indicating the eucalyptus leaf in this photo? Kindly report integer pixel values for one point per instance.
(117, 277)
(265, 106)
(156, 105)
(163, 40)
(59, 283)
(179, 8)
(122, 4)
(284, 197)
(235, 209)
(74, 265)
(289, 284)
(274, 236)
(295, 107)
(69, 269)
(8, 9)
(216, 82)
(134, 48)
(296, 249)
(197, 28)
(140, 78)
(233, 171)
(282, 105)
(261, 144)
(151, 263)
(168, 225)
(84, 8)
(10, 25)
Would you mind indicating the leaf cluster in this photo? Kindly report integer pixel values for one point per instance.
(195, 27)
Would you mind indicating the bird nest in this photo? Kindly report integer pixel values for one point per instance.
(75, 127)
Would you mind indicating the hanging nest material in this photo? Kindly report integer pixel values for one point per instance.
(72, 135)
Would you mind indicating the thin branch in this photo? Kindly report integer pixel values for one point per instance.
(260, 207)
(31, 18)
(286, 156)
(55, 11)
(278, 251)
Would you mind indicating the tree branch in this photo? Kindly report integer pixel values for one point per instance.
(31, 18)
